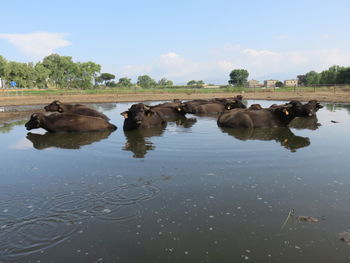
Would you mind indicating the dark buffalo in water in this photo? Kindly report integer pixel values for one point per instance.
(255, 107)
(142, 116)
(71, 140)
(213, 106)
(171, 111)
(265, 118)
(57, 106)
(68, 122)
(283, 135)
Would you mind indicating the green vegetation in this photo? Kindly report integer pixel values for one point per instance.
(238, 77)
(57, 74)
(334, 75)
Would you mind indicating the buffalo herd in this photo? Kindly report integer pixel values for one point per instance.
(232, 115)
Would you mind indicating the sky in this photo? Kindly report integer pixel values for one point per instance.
(182, 40)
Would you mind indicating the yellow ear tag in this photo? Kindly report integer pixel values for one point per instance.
(228, 107)
(179, 109)
(285, 140)
(286, 112)
(149, 114)
(126, 115)
(60, 109)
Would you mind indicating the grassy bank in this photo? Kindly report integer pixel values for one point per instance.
(174, 90)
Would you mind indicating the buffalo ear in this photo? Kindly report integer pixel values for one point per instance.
(125, 114)
(57, 102)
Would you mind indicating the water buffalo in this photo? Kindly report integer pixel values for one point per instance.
(255, 107)
(142, 116)
(272, 117)
(213, 106)
(171, 111)
(217, 108)
(68, 122)
(60, 107)
(283, 135)
(311, 107)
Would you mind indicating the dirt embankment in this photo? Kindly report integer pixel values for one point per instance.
(341, 97)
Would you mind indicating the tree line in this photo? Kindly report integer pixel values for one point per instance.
(334, 75)
(62, 72)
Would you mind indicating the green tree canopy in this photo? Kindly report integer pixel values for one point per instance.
(3, 63)
(195, 82)
(165, 82)
(124, 82)
(238, 77)
(146, 81)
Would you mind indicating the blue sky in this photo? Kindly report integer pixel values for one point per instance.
(182, 40)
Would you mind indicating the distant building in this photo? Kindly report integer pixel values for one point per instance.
(291, 83)
(270, 83)
(253, 83)
(210, 86)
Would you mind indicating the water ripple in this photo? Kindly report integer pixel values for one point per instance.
(31, 222)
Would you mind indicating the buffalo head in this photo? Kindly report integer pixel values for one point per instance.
(34, 121)
(54, 106)
(137, 113)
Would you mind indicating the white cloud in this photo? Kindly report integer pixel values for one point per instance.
(37, 45)
(216, 64)
(170, 55)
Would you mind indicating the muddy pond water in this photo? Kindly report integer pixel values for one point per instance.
(192, 192)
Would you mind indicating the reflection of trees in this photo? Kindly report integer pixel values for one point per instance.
(334, 107)
(283, 135)
(305, 123)
(137, 141)
(66, 140)
(7, 127)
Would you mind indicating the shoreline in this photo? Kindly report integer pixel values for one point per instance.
(8, 116)
(21, 100)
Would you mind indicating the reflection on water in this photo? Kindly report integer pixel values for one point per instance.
(191, 192)
(8, 127)
(33, 221)
(138, 141)
(310, 123)
(66, 140)
(283, 135)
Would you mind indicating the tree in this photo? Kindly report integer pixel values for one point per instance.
(330, 76)
(312, 78)
(344, 76)
(238, 77)
(124, 82)
(3, 63)
(279, 84)
(194, 82)
(61, 70)
(106, 77)
(301, 80)
(146, 81)
(165, 82)
(41, 75)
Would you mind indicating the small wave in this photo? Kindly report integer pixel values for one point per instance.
(31, 222)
